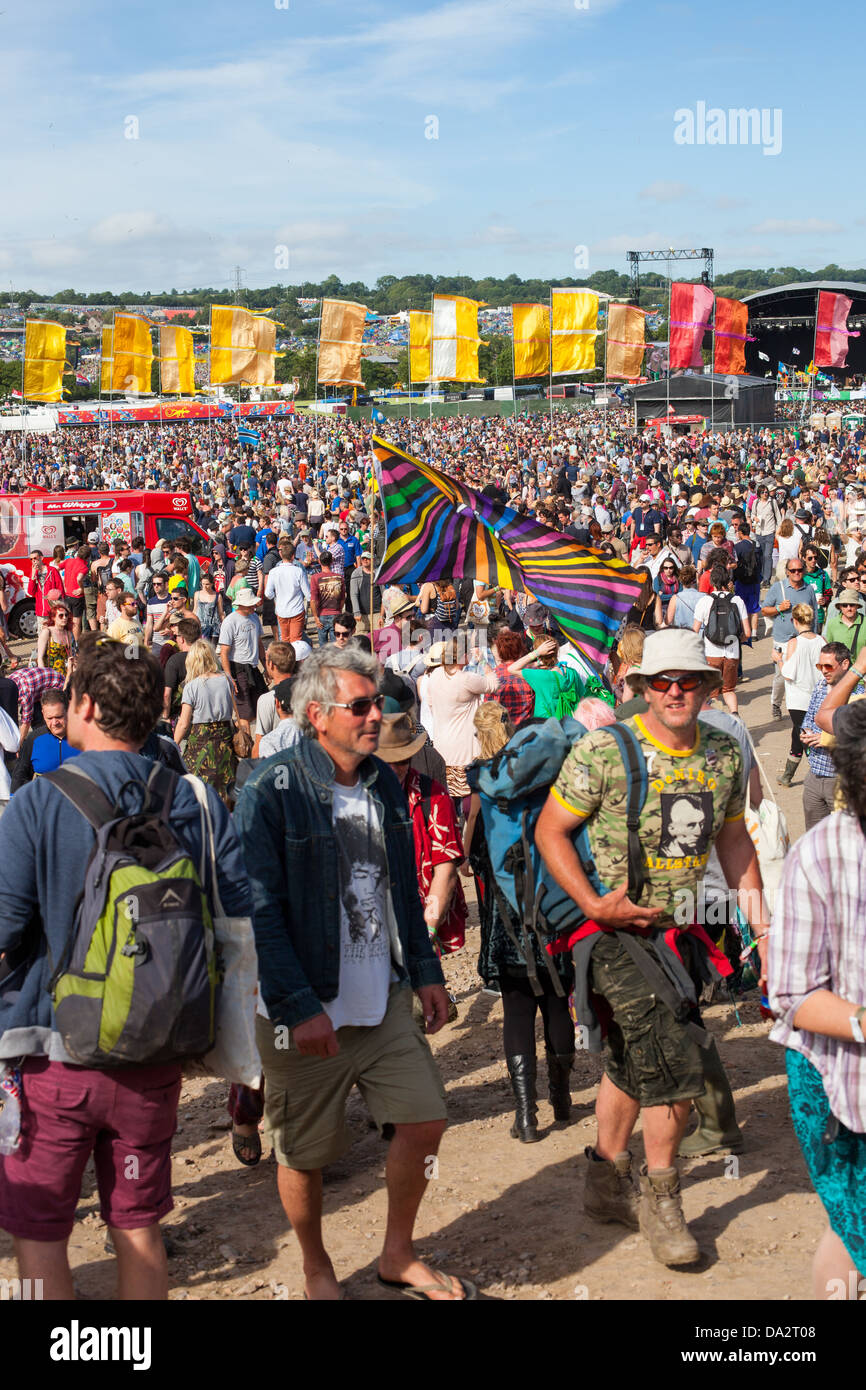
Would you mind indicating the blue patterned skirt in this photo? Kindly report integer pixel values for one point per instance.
(838, 1168)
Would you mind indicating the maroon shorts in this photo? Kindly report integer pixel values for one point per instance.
(728, 665)
(125, 1117)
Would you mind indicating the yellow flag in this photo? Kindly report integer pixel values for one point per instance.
(265, 339)
(340, 332)
(44, 360)
(531, 328)
(105, 360)
(625, 340)
(132, 355)
(455, 338)
(176, 361)
(420, 344)
(574, 329)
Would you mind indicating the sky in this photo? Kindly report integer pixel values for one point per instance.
(156, 146)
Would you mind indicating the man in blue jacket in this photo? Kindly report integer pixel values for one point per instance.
(124, 1117)
(341, 942)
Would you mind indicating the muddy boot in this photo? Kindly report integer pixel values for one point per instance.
(559, 1067)
(787, 776)
(717, 1131)
(522, 1073)
(609, 1193)
(662, 1220)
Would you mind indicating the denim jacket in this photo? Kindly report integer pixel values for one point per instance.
(285, 820)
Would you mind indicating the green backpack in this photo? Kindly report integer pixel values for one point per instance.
(137, 982)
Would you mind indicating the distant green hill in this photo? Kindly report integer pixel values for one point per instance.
(392, 293)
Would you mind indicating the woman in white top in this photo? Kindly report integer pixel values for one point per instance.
(798, 666)
(207, 708)
(789, 542)
(454, 695)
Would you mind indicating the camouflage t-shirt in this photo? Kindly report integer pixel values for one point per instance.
(690, 796)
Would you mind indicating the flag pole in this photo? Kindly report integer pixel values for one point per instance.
(670, 344)
(430, 381)
(550, 370)
(513, 378)
(606, 386)
(316, 392)
(24, 403)
(111, 390)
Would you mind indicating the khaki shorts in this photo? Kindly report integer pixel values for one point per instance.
(650, 1056)
(305, 1097)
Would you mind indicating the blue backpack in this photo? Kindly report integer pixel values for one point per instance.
(513, 787)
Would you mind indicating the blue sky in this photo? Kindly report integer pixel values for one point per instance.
(304, 127)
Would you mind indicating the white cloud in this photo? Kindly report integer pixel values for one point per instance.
(666, 191)
(809, 226)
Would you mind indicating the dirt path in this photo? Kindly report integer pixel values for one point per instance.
(507, 1214)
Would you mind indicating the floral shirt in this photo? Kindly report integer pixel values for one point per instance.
(437, 841)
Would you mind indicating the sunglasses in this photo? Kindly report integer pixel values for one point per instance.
(662, 684)
(341, 632)
(798, 570)
(823, 666)
(361, 707)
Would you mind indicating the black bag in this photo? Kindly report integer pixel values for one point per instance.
(748, 564)
(723, 622)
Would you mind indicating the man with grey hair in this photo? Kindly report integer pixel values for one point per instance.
(342, 942)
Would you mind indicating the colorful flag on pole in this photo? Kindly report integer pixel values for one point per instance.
(341, 330)
(531, 329)
(626, 341)
(439, 528)
(573, 330)
(690, 313)
(176, 361)
(831, 331)
(420, 345)
(248, 436)
(44, 360)
(455, 338)
(132, 355)
(729, 338)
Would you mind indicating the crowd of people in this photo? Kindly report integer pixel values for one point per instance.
(276, 670)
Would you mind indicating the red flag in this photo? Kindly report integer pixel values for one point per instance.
(690, 313)
(831, 334)
(729, 356)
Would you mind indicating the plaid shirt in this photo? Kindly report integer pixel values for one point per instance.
(820, 760)
(817, 943)
(31, 682)
(514, 694)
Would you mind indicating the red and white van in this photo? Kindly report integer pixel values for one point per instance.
(40, 520)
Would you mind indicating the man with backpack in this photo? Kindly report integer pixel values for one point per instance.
(747, 575)
(92, 924)
(646, 817)
(724, 621)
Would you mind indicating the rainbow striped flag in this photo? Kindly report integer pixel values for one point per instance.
(438, 528)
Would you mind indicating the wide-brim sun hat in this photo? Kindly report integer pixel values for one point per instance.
(674, 649)
(245, 598)
(435, 655)
(400, 738)
(848, 596)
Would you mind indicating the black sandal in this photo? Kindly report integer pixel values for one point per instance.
(247, 1141)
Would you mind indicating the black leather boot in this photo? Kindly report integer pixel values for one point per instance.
(522, 1071)
(559, 1067)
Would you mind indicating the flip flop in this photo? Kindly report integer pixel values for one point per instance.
(342, 1299)
(247, 1141)
(422, 1292)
